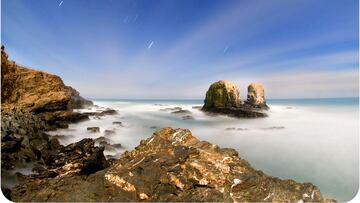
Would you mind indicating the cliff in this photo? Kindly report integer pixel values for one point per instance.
(34, 90)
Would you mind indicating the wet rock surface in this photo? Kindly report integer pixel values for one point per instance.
(171, 165)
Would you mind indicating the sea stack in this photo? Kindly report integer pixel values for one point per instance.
(255, 96)
(222, 95)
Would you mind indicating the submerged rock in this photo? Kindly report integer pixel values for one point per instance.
(222, 94)
(109, 132)
(255, 96)
(181, 111)
(188, 117)
(119, 123)
(172, 109)
(93, 129)
(171, 165)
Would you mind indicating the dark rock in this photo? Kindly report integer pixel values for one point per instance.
(22, 138)
(171, 109)
(240, 129)
(187, 117)
(171, 165)
(109, 132)
(241, 112)
(119, 123)
(108, 112)
(93, 129)
(109, 147)
(181, 112)
(197, 107)
(77, 158)
(274, 128)
(154, 127)
(6, 192)
(101, 139)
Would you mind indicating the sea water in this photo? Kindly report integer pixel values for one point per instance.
(308, 140)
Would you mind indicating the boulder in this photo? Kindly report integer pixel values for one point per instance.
(172, 165)
(222, 94)
(255, 96)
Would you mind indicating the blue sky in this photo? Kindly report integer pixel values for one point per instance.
(174, 49)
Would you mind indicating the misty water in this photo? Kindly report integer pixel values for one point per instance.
(308, 140)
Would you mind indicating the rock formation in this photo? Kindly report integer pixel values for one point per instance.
(223, 97)
(222, 94)
(37, 91)
(255, 96)
(171, 165)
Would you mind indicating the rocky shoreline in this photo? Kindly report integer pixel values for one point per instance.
(171, 165)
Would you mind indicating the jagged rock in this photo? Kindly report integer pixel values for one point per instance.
(22, 138)
(171, 165)
(255, 96)
(222, 94)
(93, 129)
(35, 90)
(61, 119)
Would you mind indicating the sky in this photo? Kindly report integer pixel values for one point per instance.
(174, 49)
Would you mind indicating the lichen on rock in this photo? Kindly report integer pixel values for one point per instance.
(222, 94)
(171, 165)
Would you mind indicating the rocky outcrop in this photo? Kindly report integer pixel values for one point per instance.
(223, 97)
(171, 165)
(22, 138)
(255, 96)
(35, 90)
(222, 94)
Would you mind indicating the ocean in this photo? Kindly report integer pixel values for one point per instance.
(307, 140)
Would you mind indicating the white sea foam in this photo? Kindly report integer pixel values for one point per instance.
(317, 144)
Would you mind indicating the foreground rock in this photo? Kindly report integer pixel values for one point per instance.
(223, 97)
(171, 165)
